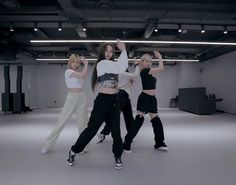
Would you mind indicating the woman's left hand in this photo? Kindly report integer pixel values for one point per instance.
(121, 45)
(136, 62)
(157, 54)
(83, 60)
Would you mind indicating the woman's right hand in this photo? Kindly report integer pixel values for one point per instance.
(83, 60)
(157, 54)
(136, 62)
(121, 45)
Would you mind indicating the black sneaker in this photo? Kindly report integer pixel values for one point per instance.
(71, 158)
(118, 163)
(162, 147)
(101, 137)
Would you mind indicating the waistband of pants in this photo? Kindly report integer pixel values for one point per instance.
(145, 94)
(107, 95)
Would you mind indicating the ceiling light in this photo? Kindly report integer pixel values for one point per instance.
(59, 26)
(225, 30)
(84, 27)
(11, 28)
(203, 30)
(35, 26)
(137, 42)
(156, 28)
(180, 28)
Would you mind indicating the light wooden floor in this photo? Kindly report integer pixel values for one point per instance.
(202, 151)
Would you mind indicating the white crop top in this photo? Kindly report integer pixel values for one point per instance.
(72, 82)
(107, 71)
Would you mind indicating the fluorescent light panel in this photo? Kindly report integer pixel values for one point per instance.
(136, 41)
(94, 59)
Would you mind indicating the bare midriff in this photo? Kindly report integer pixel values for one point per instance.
(150, 92)
(74, 89)
(108, 90)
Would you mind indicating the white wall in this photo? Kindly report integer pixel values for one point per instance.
(51, 86)
(219, 76)
(47, 85)
(44, 85)
(188, 75)
(167, 85)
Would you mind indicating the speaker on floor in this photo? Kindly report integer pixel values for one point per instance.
(18, 102)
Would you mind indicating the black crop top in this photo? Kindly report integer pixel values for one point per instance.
(148, 81)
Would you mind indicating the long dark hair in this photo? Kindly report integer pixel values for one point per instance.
(101, 56)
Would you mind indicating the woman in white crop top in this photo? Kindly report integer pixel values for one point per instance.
(76, 100)
(126, 82)
(106, 106)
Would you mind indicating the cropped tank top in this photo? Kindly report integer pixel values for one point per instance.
(148, 81)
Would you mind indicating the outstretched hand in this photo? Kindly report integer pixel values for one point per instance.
(136, 62)
(120, 45)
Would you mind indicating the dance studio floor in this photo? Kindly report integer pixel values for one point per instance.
(202, 151)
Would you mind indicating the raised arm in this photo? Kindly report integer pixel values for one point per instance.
(136, 71)
(119, 66)
(83, 73)
(160, 67)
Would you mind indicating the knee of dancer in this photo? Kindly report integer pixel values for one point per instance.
(116, 136)
(155, 119)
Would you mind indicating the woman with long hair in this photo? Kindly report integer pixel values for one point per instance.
(105, 76)
(125, 84)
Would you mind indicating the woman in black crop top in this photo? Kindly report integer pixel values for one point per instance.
(147, 104)
(105, 76)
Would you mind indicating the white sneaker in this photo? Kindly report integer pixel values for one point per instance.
(118, 163)
(162, 147)
(44, 151)
(83, 152)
